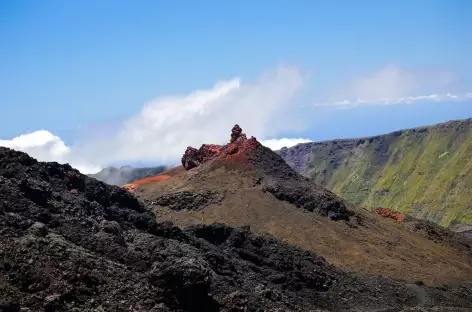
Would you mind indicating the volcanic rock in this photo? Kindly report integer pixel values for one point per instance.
(194, 157)
(236, 133)
(389, 213)
(191, 158)
(187, 200)
(99, 249)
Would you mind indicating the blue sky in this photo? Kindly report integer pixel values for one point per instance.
(75, 68)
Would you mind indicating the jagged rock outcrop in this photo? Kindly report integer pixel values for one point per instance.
(191, 158)
(238, 143)
(237, 133)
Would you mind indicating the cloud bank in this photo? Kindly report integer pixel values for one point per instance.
(165, 126)
(393, 81)
(448, 97)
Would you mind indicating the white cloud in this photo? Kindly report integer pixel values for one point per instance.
(45, 146)
(387, 83)
(164, 127)
(448, 97)
(392, 82)
(37, 142)
(276, 144)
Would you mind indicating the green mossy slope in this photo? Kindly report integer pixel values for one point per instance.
(425, 172)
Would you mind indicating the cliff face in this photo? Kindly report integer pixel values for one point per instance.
(425, 172)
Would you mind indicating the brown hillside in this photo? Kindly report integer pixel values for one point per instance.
(245, 183)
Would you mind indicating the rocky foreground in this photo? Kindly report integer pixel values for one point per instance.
(71, 243)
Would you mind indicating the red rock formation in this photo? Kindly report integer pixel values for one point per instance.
(238, 144)
(209, 151)
(236, 132)
(389, 213)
